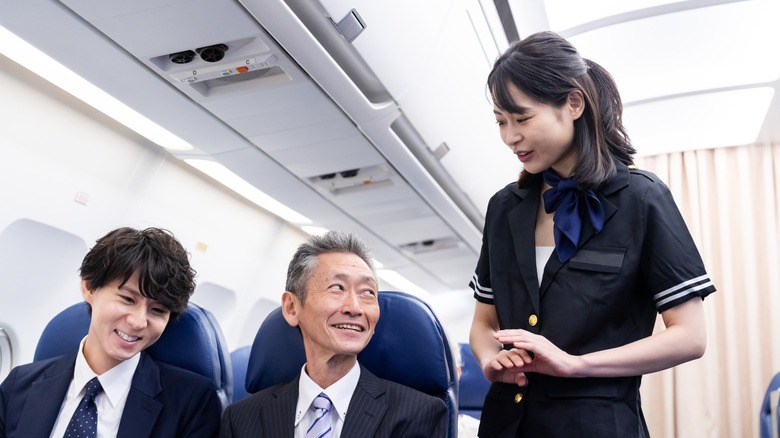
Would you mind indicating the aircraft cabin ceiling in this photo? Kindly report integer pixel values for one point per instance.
(373, 116)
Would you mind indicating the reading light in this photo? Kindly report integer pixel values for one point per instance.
(41, 64)
(248, 191)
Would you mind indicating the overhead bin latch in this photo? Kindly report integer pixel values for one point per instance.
(351, 25)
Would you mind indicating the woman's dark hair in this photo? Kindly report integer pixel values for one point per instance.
(547, 68)
(164, 272)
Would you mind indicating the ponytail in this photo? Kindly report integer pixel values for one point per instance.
(599, 135)
(611, 108)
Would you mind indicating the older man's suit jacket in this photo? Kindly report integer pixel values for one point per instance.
(164, 401)
(379, 408)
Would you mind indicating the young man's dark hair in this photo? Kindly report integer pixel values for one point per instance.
(164, 272)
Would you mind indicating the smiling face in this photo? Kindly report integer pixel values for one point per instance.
(340, 311)
(124, 322)
(541, 135)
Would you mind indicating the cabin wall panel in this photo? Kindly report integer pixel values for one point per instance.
(55, 148)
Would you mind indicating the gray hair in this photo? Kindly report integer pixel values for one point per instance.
(304, 260)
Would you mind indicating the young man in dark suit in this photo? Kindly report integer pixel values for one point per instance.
(135, 282)
(332, 298)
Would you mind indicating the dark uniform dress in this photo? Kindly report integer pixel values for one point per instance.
(643, 262)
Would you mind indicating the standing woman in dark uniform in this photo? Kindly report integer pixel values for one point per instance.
(578, 257)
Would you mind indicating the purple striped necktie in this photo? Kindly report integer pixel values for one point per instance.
(321, 427)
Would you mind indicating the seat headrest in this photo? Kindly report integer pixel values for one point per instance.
(63, 333)
(407, 347)
(239, 359)
(196, 343)
(765, 419)
(473, 384)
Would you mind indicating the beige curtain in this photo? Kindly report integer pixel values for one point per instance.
(730, 198)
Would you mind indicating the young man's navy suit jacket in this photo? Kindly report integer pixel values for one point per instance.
(164, 401)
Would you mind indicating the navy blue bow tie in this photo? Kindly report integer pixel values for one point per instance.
(571, 205)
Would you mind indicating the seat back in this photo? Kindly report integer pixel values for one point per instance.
(409, 347)
(767, 424)
(239, 358)
(473, 384)
(194, 342)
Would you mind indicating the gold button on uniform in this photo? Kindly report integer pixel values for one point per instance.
(532, 320)
(518, 397)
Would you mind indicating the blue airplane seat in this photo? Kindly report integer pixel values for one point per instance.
(194, 342)
(239, 359)
(765, 416)
(473, 384)
(409, 346)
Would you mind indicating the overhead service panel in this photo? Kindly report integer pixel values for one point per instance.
(220, 64)
(354, 180)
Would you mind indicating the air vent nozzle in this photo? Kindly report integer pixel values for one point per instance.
(182, 57)
(212, 53)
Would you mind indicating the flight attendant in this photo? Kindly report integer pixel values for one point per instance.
(578, 257)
